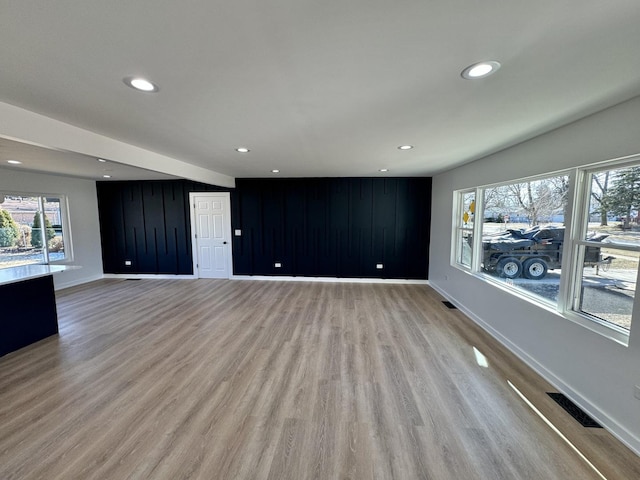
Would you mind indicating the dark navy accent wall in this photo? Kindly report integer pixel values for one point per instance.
(148, 223)
(335, 227)
(332, 227)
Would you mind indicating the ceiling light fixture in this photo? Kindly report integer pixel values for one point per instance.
(14, 162)
(141, 84)
(101, 160)
(383, 170)
(242, 150)
(405, 147)
(480, 70)
(275, 170)
(106, 176)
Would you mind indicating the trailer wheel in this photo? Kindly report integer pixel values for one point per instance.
(509, 267)
(535, 268)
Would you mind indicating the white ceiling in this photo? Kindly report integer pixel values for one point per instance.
(319, 88)
(40, 159)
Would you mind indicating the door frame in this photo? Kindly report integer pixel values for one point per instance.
(227, 229)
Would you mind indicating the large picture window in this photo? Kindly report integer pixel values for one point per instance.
(32, 230)
(571, 241)
(523, 234)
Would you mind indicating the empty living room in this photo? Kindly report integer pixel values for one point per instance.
(319, 240)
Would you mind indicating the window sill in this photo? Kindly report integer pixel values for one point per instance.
(610, 332)
(619, 336)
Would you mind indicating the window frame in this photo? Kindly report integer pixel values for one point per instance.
(64, 219)
(559, 305)
(576, 224)
(578, 243)
(459, 229)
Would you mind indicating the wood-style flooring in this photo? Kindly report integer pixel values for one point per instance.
(218, 379)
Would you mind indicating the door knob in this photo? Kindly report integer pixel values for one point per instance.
(224, 243)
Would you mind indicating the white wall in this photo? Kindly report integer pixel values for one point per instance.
(594, 371)
(83, 213)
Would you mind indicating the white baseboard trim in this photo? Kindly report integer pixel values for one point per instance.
(134, 276)
(329, 279)
(617, 430)
(268, 278)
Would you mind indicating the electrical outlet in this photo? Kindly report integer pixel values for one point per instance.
(238, 232)
(127, 263)
(379, 266)
(277, 265)
(636, 392)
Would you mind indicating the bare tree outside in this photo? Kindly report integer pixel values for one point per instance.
(524, 230)
(538, 201)
(599, 189)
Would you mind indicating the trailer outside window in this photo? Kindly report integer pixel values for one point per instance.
(523, 229)
(570, 241)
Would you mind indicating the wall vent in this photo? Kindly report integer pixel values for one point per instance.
(574, 410)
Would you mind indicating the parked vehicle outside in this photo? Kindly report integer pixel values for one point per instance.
(532, 252)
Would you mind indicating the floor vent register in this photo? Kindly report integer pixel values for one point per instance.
(574, 410)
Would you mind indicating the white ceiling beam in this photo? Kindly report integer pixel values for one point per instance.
(30, 127)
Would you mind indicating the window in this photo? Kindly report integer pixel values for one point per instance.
(32, 230)
(464, 228)
(523, 234)
(575, 249)
(609, 247)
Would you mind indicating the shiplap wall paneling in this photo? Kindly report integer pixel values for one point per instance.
(148, 224)
(335, 227)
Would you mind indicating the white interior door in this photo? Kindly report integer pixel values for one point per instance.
(211, 232)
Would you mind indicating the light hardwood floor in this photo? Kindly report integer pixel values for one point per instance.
(217, 379)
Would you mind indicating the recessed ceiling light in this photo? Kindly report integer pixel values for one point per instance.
(242, 150)
(405, 147)
(101, 160)
(141, 84)
(14, 162)
(480, 70)
(106, 176)
(275, 170)
(383, 170)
